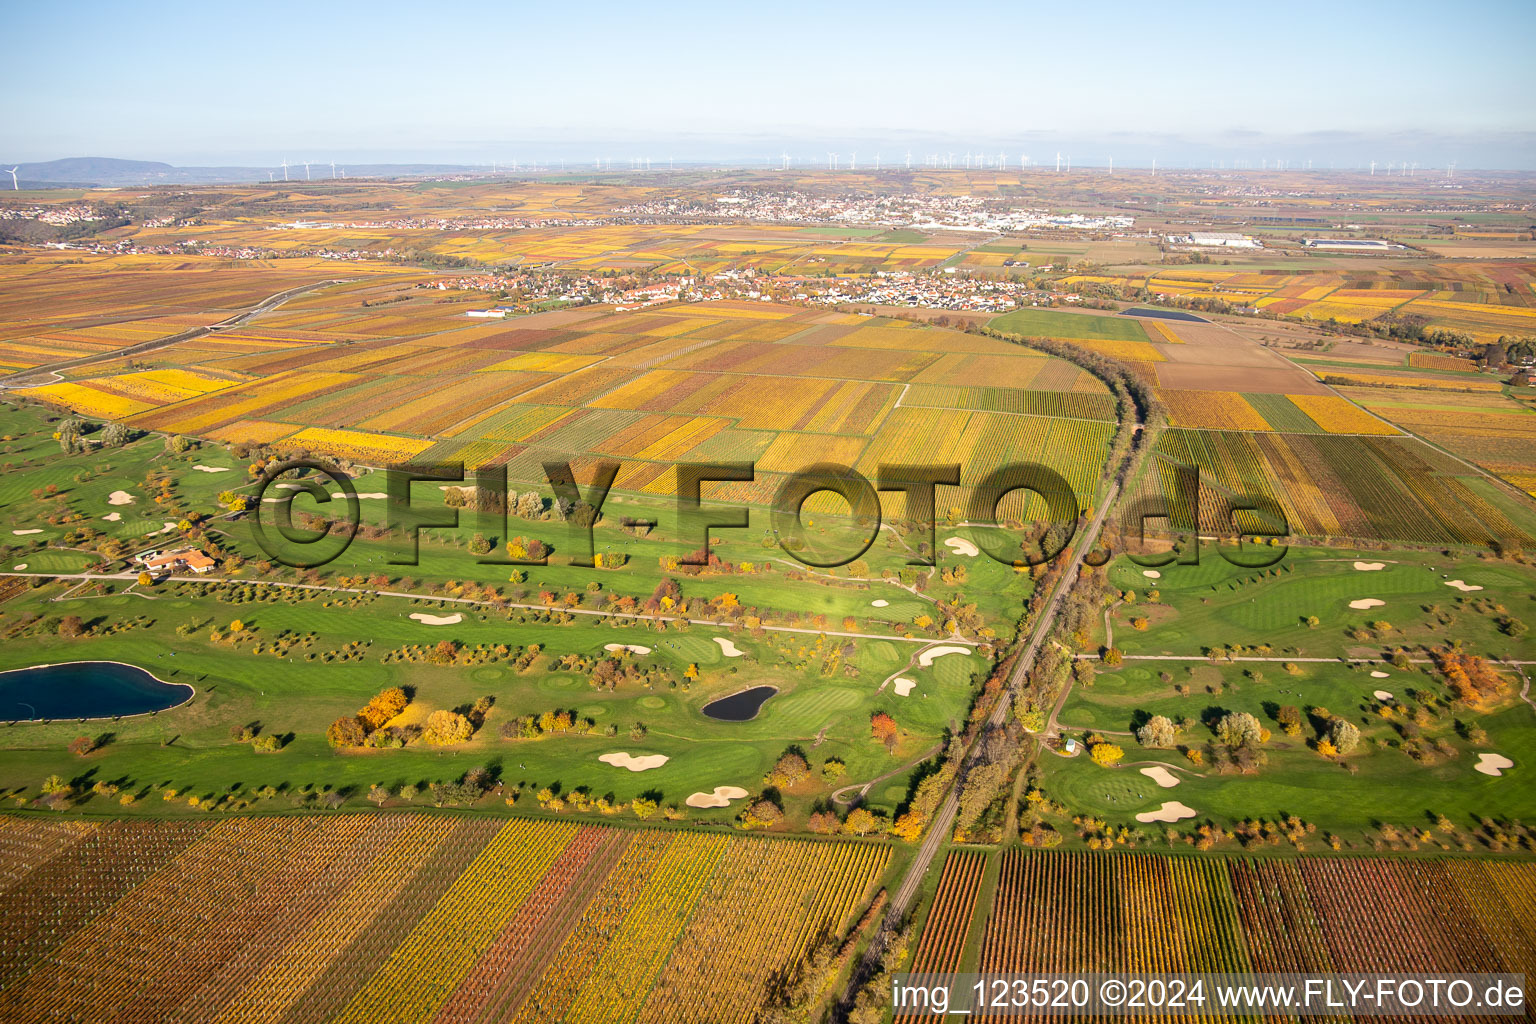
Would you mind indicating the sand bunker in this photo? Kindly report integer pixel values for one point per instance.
(1162, 776)
(1380, 675)
(645, 762)
(1492, 764)
(926, 658)
(631, 648)
(1366, 602)
(1369, 566)
(112, 517)
(1382, 695)
(437, 620)
(728, 648)
(904, 686)
(1152, 574)
(1462, 585)
(879, 604)
(119, 498)
(961, 546)
(23, 533)
(18, 568)
(721, 797)
(1174, 811)
(211, 469)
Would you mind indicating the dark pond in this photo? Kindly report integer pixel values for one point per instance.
(740, 707)
(1164, 314)
(85, 689)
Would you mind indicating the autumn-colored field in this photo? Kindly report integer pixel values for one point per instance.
(1360, 487)
(1065, 913)
(406, 917)
(717, 381)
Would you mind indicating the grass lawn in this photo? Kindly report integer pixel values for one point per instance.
(1050, 324)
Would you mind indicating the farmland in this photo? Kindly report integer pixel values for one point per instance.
(653, 388)
(414, 916)
(1064, 913)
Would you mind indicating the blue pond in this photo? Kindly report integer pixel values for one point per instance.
(1164, 314)
(85, 689)
(739, 707)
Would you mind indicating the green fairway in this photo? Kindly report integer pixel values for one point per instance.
(1045, 323)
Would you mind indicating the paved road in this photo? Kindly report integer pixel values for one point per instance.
(943, 820)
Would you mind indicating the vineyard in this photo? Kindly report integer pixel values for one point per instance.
(1373, 488)
(709, 381)
(410, 917)
(1063, 912)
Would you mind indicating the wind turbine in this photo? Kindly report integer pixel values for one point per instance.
(15, 186)
(784, 159)
(909, 159)
(333, 168)
(1373, 168)
(271, 176)
(1058, 160)
(853, 160)
(285, 170)
(306, 170)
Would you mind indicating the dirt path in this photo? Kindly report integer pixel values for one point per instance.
(864, 787)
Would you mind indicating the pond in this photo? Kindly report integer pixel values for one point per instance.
(740, 707)
(85, 689)
(1164, 314)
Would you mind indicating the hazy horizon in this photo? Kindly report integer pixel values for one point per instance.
(198, 86)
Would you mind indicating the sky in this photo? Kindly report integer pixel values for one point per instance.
(252, 84)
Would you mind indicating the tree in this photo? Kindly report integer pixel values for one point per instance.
(346, 731)
(833, 768)
(71, 626)
(860, 822)
(1158, 731)
(115, 435)
(382, 707)
(883, 728)
(1106, 754)
(445, 728)
(1289, 718)
(1239, 729)
(1112, 656)
(378, 794)
(788, 770)
(81, 745)
(145, 579)
(643, 807)
(823, 823)
(909, 826)
(530, 505)
(1344, 736)
(762, 814)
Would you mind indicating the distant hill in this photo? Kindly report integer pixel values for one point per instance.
(96, 170)
(101, 170)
